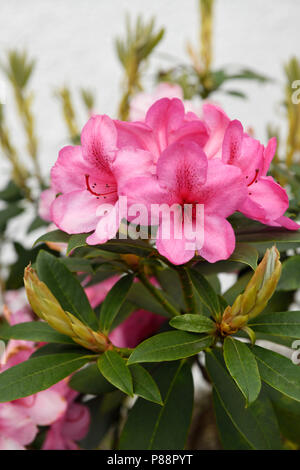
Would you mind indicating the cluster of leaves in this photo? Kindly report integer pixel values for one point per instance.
(255, 390)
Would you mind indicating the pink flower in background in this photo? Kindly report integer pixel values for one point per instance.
(46, 199)
(19, 419)
(71, 426)
(89, 177)
(142, 101)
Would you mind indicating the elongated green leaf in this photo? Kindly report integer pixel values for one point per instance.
(256, 425)
(290, 276)
(283, 324)
(144, 385)
(278, 371)
(34, 331)
(288, 414)
(245, 254)
(205, 292)
(56, 236)
(243, 368)
(38, 374)
(170, 346)
(76, 241)
(66, 288)
(193, 323)
(114, 301)
(90, 380)
(115, 370)
(127, 246)
(155, 427)
(142, 298)
(76, 265)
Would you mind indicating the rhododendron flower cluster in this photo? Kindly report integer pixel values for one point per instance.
(55, 407)
(170, 159)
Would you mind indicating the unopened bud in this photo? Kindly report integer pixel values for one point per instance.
(46, 306)
(256, 296)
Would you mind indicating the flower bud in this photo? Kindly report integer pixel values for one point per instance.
(46, 306)
(258, 292)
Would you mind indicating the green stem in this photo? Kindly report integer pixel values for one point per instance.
(158, 295)
(187, 289)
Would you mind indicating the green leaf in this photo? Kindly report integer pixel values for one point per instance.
(114, 301)
(256, 425)
(193, 323)
(115, 370)
(66, 288)
(11, 211)
(141, 297)
(283, 324)
(144, 385)
(56, 236)
(154, 427)
(278, 371)
(33, 331)
(205, 292)
(37, 223)
(128, 246)
(90, 380)
(288, 414)
(11, 193)
(76, 241)
(38, 374)
(78, 265)
(170, 346)
(270, 236)
(245, 254)
(243, 368)
(290, 276)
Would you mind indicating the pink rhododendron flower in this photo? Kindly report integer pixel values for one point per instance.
(171, 157)
(72, 426)
(266, 200)
(142, 101)
(185, 176)
(19, 419)
(89, 178)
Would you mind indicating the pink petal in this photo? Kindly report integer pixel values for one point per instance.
(68, 172)
(232, 143)
(107, 226)
(176, 250)
(268, 195)
(224, 189)
(217, 122)
(6, 443)
(137, 327)
(285, 222)
(99, 142)
(97, 293)
(164, 117)
(181, 169)
(219, 239)
(46, 199)
(76, 422)
(269, 154)
(48, 407)
(75, 212)
(16, 424)
(131, 163)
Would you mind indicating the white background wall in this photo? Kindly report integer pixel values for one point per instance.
(73, 43)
